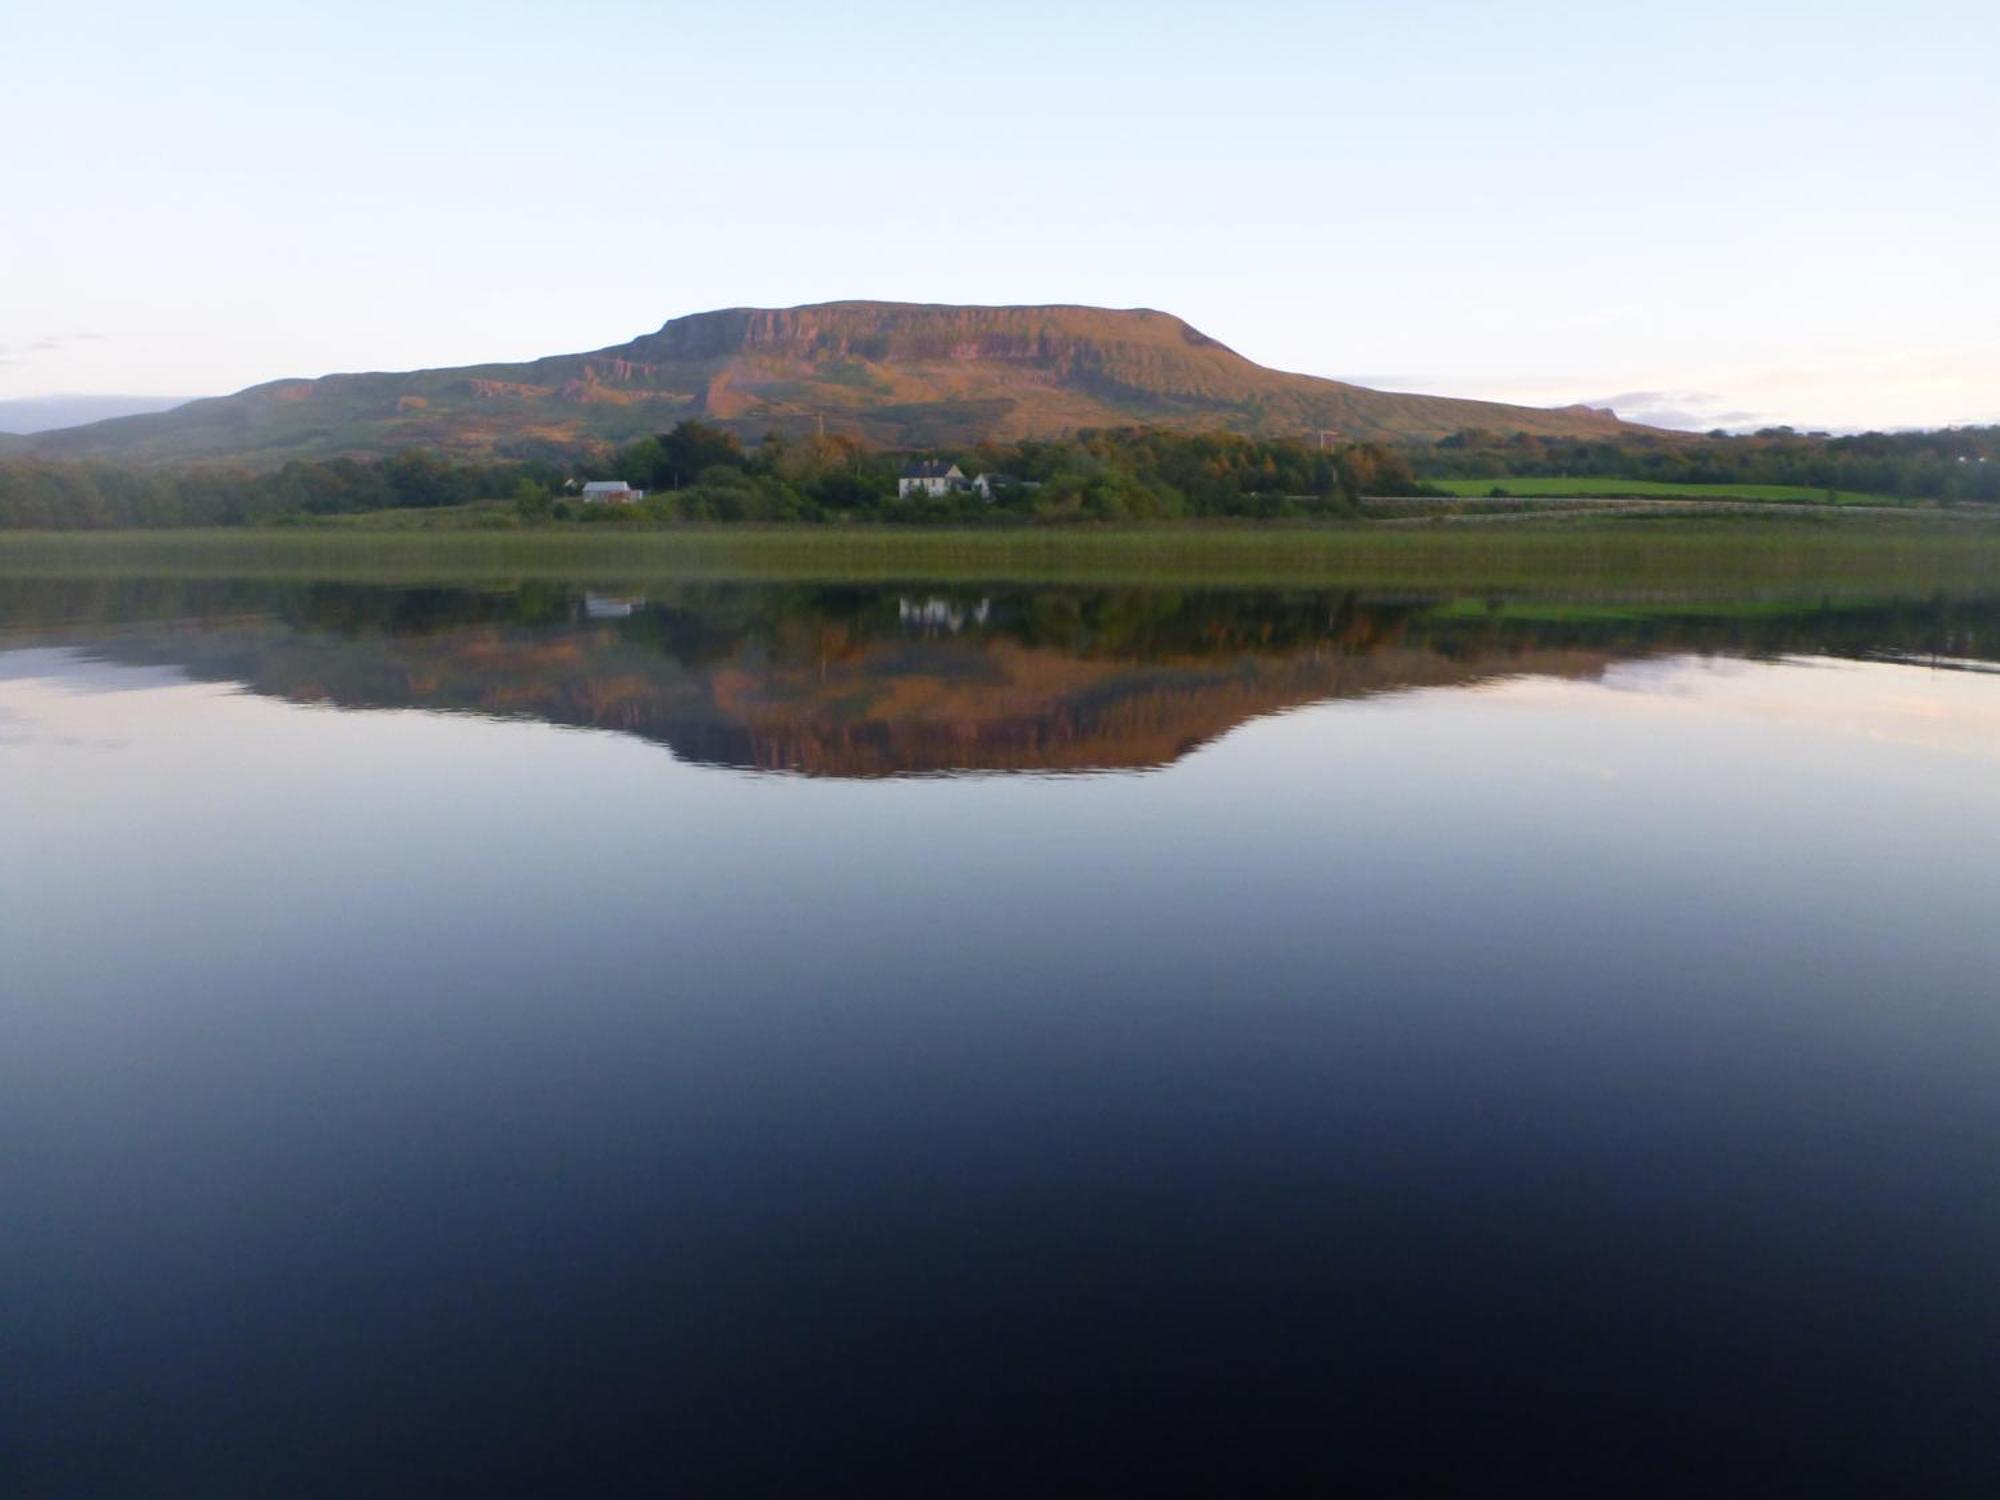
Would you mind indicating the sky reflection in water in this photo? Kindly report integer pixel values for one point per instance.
(1440, 1041)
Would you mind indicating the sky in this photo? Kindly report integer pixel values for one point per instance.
(1702, 214)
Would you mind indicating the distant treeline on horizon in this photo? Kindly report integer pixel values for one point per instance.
(701, 473)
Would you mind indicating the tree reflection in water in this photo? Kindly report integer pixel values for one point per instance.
(863, 681)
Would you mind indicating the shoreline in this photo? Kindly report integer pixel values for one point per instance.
(1789, 553)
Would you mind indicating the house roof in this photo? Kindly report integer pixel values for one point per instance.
(932, 468)
(606, 484)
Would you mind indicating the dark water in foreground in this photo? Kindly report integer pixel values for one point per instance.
(780, 1040)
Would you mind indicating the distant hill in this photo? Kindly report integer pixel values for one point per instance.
(24, 414)
(897, 374)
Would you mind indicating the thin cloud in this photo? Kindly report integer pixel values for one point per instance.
(48, 343)
(1696, 411)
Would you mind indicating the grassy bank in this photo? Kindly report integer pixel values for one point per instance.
(1555, 487)
(1688, 556)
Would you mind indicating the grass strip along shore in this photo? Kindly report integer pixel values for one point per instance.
(1722, 555)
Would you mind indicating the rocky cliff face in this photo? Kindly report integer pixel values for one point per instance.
(883, 331)
(896, 374)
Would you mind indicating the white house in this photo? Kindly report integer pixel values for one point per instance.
(930, 477)
(611, 492)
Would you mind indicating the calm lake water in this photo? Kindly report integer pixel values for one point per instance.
(779, 1039)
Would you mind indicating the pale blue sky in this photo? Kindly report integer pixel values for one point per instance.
(1766, 210)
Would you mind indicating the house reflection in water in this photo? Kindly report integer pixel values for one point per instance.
(610, 606)
(862, 681)
(942, 614)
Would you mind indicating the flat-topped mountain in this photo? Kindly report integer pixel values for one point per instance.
(896, 374)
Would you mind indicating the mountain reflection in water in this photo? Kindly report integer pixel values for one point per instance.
(871, 682)
(1550, 1050)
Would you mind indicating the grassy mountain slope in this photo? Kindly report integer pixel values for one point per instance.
(899, 374)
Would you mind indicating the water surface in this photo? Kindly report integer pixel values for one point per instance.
(995, 1040)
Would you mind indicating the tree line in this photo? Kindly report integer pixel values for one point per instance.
(91, 495)
(701, 473)
(1949, 465)
(698, 472)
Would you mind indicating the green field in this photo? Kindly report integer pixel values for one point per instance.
(1689, 557)
(1559, 486)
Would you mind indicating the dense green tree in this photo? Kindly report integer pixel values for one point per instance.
(532, 500)
(693, 447)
